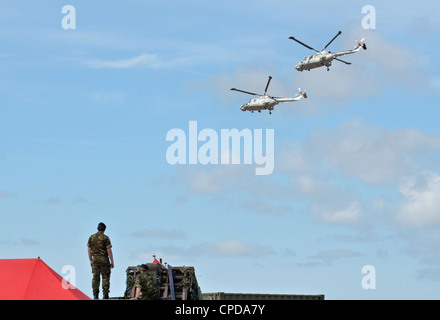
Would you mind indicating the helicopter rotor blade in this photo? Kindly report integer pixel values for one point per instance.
(267, 85)
(308, 47)
(332, 40)
(343, 61)
(254, 94)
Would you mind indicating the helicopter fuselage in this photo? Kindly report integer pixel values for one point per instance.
(323, 58)
(260, 103)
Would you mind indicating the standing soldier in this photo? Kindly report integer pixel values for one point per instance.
(101, 260)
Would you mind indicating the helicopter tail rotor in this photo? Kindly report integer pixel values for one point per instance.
(301, 93)
(361, 43)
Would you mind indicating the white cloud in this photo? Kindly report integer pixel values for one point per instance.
(232, 247)
(213, 179)
(348, 216)
(143, 60)
(291, 158)
(329, 174)
(264, 207)
(225, 248)
(332, 89)
(391, 62)
(333, 170)
(422, 200)
(371, 154)
(20, 242)
(159, 233)
(328, 257)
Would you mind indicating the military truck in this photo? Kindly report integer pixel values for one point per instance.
(176, 283)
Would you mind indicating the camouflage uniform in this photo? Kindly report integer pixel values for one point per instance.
(149, 288)
(99, 243)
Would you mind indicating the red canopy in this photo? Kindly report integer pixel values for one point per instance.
(32, 279)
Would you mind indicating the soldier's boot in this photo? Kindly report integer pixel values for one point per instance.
(105, 296)
(96, 296)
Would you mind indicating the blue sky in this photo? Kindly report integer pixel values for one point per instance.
(84, 117)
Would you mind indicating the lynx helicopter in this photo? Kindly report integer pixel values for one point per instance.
(325, 58)
(265, 102)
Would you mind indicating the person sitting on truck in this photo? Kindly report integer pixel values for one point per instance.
(146, 286)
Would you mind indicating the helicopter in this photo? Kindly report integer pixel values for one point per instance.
(265, 102)
(325, 58)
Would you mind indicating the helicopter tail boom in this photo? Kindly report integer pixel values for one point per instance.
(298, 96)
(359, 45)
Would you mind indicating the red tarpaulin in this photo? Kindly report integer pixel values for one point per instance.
(32, 279)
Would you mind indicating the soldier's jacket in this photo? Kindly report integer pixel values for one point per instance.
(149, 287)
(99, 243)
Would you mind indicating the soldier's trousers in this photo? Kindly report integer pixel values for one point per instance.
(99, 270)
